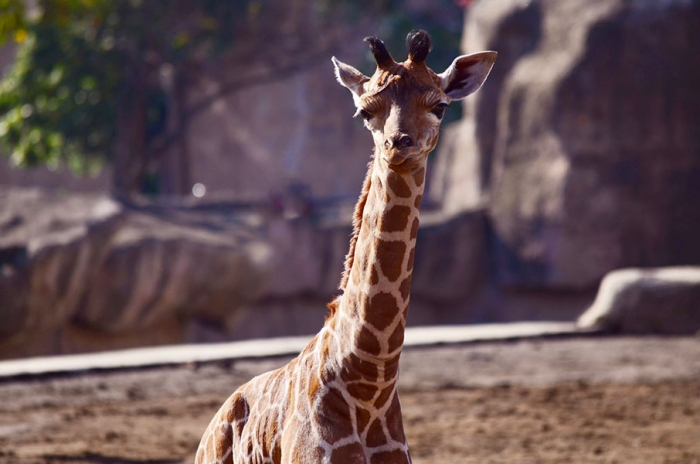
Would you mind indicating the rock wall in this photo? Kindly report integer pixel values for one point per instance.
(82, 272)
(584, 140)
(599, 159)
(462, 168)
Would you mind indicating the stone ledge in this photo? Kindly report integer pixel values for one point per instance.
(182, 354)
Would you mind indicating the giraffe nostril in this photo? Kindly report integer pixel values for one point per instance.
(399, 141)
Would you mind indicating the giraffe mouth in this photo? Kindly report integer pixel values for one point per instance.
(402, 159)
(397, 157)
(395, 160)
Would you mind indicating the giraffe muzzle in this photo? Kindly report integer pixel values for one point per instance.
(399, 142)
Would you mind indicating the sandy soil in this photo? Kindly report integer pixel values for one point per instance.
(590, 400)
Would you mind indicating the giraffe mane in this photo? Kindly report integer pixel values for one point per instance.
(356, 224)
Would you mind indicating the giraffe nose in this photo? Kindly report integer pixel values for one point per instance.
(399, 141)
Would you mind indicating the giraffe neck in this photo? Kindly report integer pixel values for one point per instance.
(372, 310)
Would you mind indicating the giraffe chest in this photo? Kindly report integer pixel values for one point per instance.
(337, 430)
(326, 430)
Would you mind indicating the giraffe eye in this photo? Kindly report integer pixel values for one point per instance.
(366, 115)
(439, 110)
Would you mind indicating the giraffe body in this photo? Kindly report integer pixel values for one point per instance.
(337, 402)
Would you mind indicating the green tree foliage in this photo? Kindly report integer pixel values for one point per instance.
(100, 81)
(57, 103)
(12, 23)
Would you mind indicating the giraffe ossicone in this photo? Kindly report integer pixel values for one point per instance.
(337, 402)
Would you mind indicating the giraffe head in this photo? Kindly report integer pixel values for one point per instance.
(402, 104)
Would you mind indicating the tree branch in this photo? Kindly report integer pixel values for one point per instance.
(228, 88)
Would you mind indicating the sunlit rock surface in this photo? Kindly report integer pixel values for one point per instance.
(584, 139)
(81, 272)
(647, 301)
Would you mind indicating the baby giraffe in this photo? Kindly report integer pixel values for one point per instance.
(337, 402)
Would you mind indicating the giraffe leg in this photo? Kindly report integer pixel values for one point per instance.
(224, 432)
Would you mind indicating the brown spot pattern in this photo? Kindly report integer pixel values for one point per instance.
(291, 398)
(362, 391)
(368, 342)
(334, 417)
(375, 434)
(398, 185)
(277, 452)
(391, 367)
(238, 413)
(355, 368)
(393, 420)
(382, 310)
(348, 454)
(363, 416)
(396, 218)
(405, 288)
(417, 201)
(224, 440)
(414, 228)
(314, 386)
(269, 434)
(411, 257)
(396, 457)
(374, 276)
(384, 397)
(390, 256)
(396, 338)
(419, 177)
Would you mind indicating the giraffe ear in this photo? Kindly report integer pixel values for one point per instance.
(349, 77)
(466, 74)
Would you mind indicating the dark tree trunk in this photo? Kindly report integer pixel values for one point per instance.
(175, 165)
(130, 150)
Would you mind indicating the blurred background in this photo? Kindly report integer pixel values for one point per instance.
(185, 170)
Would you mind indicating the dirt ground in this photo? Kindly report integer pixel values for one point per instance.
(578, 400)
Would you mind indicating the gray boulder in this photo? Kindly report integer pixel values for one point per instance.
(174, 264)
(591, 158)
(461, 172)
(647, 301)
(45, 257)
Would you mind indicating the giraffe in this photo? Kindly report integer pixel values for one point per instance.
(337, 402)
